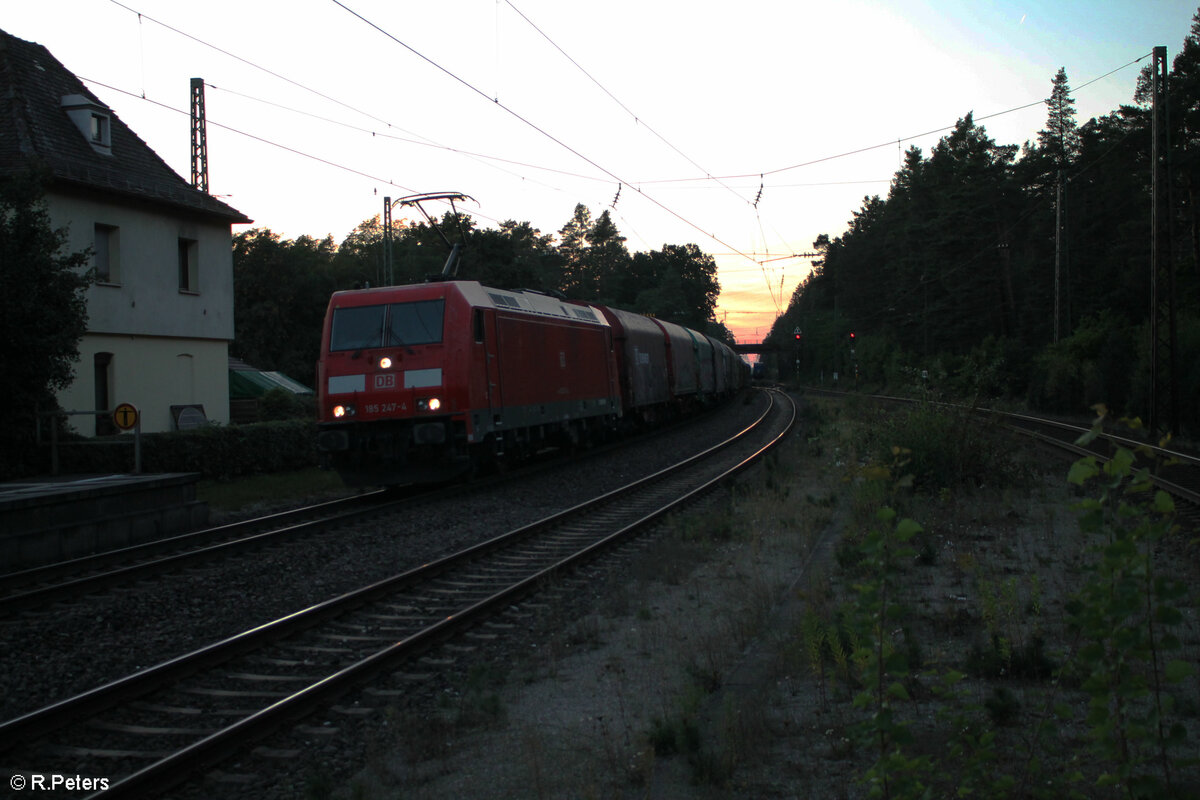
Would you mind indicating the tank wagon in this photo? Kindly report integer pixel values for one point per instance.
(424, 382)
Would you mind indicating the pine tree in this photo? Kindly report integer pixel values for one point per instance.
(1060, 138)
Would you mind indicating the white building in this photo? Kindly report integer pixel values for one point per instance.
(161, 313)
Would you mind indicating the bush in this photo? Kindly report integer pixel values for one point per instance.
(217, 452)
(949, 449)
(279, 404)
(1092, 365)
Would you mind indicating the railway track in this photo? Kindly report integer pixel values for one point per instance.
(1176, 472)
(154, 729)
(40, 586)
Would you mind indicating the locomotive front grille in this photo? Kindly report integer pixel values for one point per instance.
(333, 441)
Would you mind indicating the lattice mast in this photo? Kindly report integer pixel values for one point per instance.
(199, 138)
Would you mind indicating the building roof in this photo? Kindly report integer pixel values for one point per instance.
(246, 381)
(35, 128)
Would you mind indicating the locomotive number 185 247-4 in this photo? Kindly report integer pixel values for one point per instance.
(384, 408)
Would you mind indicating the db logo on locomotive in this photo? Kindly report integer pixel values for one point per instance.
(385, 381)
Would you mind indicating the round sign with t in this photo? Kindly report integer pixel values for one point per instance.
(125, 416)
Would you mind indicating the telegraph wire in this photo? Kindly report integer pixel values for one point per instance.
(255, 137)
(269, 142)
(528, 122)
(890, 142)
(426, 140)
(249, 63)
(420, 141)
(708, 177)
(638, 120)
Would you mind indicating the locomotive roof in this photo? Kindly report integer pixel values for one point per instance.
(530, 302)
(480, 296)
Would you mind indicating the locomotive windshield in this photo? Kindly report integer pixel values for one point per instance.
(364, 327)
(415, 323)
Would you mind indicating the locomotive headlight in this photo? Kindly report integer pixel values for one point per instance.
(434, 404)
(385, 363)
(429, 404)
(340, 412)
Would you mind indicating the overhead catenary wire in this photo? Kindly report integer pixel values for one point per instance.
(889, 142)
(636, 118)
(707, 178)
(249, 135)
(532, 125)
(419, 140)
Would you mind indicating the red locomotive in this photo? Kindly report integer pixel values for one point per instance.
(420, 382)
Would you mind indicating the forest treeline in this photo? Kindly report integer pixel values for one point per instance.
(948, 282)
(282, 286)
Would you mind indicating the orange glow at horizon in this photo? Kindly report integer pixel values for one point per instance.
(746, 307)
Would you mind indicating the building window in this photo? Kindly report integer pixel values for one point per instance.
(102, 380)
(189, 280)
(93, 120)
(100, 129)
(106, 254)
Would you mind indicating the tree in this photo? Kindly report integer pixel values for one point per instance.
(606, 260)
(281, 289)
(572, 242)
(515, 256)
(678, 284)
(1060, 138)
(43, 312)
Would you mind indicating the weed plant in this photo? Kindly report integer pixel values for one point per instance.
(1127, 615)
(949, 449)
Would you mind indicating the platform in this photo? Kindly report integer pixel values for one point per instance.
(43, 520)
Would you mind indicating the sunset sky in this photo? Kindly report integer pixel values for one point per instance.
(748, 128)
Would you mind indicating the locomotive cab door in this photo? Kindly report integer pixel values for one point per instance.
(487, 340)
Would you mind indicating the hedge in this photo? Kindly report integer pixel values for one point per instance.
(219, 452)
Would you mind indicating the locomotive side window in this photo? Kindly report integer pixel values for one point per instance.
(357, 328)
(415, 323)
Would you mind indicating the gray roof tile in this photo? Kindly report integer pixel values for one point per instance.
(34, 128)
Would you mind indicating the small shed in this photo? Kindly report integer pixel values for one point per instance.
(248, 384)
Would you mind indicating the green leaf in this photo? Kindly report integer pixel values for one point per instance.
(1178, 670)
(898, 691)
(885, 514)
(906, 529)
(1082, 471)
(876, 473)
(1121, 462)
(952, 677)
(1168, 615)
(1163, 502)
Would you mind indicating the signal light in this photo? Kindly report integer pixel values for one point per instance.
(852, 336)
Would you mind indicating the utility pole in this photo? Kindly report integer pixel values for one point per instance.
(1058, 226)
(387, 242)
(199, 137)
(1164, 385)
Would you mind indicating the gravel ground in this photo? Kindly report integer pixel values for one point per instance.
(60, 651)
(680, 671)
